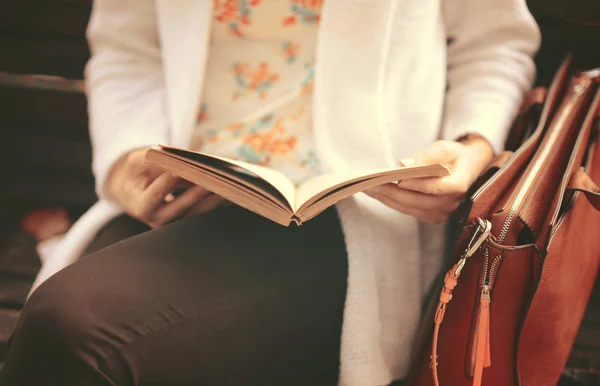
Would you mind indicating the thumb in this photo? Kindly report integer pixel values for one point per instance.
(444, 152)
(138, 166)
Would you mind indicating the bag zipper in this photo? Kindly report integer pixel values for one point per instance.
(487, 284)
(480, 235)
(577, 90)
(480, 350)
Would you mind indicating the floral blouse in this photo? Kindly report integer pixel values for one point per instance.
(258, 85)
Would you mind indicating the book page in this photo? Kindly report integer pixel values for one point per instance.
(273, 177)
(224, 187)
(319, 186)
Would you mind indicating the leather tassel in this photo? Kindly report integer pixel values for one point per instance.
(482, 353)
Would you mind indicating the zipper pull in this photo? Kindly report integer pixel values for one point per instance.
(481, 234)
(482, 354)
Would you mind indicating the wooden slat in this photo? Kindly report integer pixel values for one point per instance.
(59, 113)
(32, 55)
(47, 190)
(45, 152)
(43, 82)
(49, 2)
(572, 11)
(44, 18)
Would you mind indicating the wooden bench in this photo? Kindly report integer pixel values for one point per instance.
(45, 157)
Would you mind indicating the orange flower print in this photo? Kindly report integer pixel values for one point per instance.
(235, 13)
(236, 129)
(211, 136)
(265, 122)
(310, 162)
(283, 146)
(265, 139)
(290, 51)
(307, 84)
(260, 138)
(257, 80)
(247, 154)
(202, 115)
(255, 148)
(306, 11)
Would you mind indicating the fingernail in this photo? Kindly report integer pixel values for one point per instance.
(408, 162)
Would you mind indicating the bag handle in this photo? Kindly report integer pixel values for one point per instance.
(581, 182)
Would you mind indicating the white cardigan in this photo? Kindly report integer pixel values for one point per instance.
(380, 94)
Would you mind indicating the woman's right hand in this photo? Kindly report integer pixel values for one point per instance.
(145, 192)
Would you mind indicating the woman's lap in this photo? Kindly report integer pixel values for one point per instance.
(227, 298)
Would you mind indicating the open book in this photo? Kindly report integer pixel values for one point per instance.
(271, 194)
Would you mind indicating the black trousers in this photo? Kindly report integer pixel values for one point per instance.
(226, 298)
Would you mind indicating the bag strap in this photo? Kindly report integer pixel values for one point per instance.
(581, 182)
(450, 281)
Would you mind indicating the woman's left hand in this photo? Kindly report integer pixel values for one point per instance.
(433, 200)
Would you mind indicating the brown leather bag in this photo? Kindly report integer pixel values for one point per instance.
(528, 253)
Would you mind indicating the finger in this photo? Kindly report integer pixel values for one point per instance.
(438, 152)
(128, 194)
(135, 161)
(136, 166)
(446, 152)
(183, 184)
(178, 206)
(151, 173)
(442, 212)
(154, 196)
(169, 198)
(471, 164)
(211, 202)
(181, 187)
(466, 167)
(431, 217)
(455, 184)
(447, 203)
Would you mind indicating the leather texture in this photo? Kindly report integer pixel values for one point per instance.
(511, 314)
(544, 195)
(581, 182)
(569, 269)
(494, 188)
(528, 117)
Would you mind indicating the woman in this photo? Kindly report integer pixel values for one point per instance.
(225, 297)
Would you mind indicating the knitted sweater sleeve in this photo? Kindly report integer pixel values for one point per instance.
(490, 66)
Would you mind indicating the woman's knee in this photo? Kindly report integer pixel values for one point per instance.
(57, 317)
(63, 338)
(62, 317)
